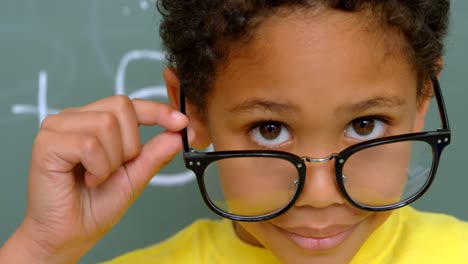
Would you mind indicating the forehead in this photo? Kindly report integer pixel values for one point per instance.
(324, 49)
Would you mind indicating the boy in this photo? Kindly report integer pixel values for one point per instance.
(314, 105)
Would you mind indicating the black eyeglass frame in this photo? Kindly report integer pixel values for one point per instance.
(198, 161)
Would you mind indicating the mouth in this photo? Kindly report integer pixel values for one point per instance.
(318, 239)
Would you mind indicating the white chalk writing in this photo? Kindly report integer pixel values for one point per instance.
(159, 91)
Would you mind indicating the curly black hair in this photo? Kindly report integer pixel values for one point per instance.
(197, 33)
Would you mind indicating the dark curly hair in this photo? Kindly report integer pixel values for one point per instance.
(197, 33)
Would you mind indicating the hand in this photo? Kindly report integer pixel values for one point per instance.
(87, 167)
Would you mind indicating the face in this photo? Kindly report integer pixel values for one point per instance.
(313, 85)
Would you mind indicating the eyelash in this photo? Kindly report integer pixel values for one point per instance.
(254, 125)
(388, 121)
(385, 119)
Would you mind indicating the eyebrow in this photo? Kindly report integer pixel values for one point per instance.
(263, 105)
(375, 102)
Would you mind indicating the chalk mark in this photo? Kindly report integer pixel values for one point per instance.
(157, 91)
(129, 57)
(41, 108)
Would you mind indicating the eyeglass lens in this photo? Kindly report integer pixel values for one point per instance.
(251, 186)
(388, 174)
(376, 176)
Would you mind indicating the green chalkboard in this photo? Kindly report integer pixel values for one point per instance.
(56, 54)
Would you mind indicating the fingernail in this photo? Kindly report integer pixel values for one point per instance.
(178, 115)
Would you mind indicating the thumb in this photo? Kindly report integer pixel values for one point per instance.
(154, 155)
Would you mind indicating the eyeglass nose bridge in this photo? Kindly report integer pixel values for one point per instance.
(325, 159)
(320, 160)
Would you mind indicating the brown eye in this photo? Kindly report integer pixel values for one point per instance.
(365, 128)
(270, 134)
(270, 131)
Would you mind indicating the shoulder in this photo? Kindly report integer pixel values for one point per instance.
(412, 236)
(438, 235)
(204, 241)
(433, 223)
(183, 247)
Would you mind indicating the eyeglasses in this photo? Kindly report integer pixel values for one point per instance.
(376, 175)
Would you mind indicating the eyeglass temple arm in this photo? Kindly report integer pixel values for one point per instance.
(185, 143)
(440, 103)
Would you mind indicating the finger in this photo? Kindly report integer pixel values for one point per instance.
(56, 154)
(122, 108)
(155, 154)
(102, 125)
(130, 113)
(145, 112)
(152, 113)
(130, 180)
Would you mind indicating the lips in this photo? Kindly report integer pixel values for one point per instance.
(318, 239)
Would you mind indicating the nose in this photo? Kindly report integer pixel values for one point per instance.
(320, 188)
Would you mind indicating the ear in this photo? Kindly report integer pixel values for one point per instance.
(197, 123)
(423, 102)
(172, 86)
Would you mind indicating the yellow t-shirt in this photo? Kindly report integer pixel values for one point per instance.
(408, 236)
